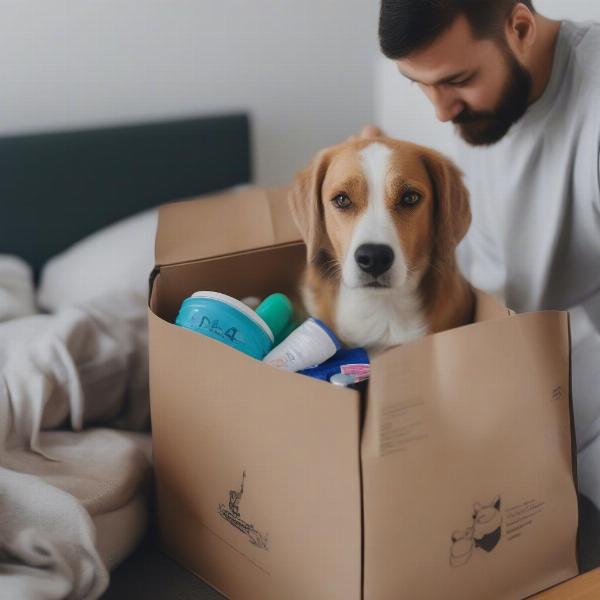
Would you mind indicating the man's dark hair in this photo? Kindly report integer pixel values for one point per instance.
(409, 25)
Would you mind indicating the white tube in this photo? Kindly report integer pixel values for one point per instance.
(307, 346)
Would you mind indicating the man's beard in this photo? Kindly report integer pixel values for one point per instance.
(486, 128)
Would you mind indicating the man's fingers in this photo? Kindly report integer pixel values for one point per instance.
(370, 131)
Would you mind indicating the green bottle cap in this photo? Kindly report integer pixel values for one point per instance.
(276, 311)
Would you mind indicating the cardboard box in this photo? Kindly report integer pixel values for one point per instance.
(453, 477)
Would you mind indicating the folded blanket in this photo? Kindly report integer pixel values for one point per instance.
(85, 365)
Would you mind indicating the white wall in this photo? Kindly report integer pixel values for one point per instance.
(403, 111)
(302, 68)
(308, 71)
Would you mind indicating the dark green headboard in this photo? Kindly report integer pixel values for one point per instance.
(56, 188)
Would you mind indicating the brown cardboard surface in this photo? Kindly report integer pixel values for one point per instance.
(233, 221)
(218, 413)
(466, 416)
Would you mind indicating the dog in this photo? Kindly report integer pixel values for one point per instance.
(381, 219)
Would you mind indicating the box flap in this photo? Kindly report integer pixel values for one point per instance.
(236, 220)
(467, 463)
(487, 307)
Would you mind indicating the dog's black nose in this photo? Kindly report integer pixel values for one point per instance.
(374, 259)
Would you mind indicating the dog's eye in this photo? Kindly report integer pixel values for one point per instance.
(342, 201)
(410, 198)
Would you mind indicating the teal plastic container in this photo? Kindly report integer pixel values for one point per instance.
(276, 311)
(227, 320)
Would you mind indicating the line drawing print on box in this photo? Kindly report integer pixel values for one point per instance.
(232, 515)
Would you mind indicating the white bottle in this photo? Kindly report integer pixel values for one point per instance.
(307, 346)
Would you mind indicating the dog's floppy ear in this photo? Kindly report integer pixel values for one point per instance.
(452, 213)
(307, 206)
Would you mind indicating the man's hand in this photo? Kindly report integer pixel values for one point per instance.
(368, 131)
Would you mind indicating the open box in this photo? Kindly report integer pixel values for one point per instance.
(452, 477)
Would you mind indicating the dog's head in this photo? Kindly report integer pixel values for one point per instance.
(379, 213)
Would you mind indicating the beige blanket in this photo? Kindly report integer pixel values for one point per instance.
(73, 470)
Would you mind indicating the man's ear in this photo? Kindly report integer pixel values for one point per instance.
(307, 206)
(452, 213)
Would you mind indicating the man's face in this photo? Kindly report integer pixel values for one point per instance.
(477, 84)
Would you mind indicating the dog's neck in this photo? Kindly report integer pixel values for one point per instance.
(448, 299)
(378, 319)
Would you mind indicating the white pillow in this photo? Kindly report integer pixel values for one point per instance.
(17, 297)
(116, 258)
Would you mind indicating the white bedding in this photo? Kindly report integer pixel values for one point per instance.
(73, 473)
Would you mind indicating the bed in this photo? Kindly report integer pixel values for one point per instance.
(58, 189)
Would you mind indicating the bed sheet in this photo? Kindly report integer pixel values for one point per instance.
(75, 452)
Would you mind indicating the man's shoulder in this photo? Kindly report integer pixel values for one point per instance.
(584, 39)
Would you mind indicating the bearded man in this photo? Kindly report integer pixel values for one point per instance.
(523, 92)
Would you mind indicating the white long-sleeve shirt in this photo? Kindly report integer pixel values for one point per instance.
(535, 237)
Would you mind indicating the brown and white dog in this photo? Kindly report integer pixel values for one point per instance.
(381, 220)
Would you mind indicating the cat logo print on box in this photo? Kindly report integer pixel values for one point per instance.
(484, 533)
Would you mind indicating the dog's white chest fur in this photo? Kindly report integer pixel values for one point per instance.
(378, 320)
